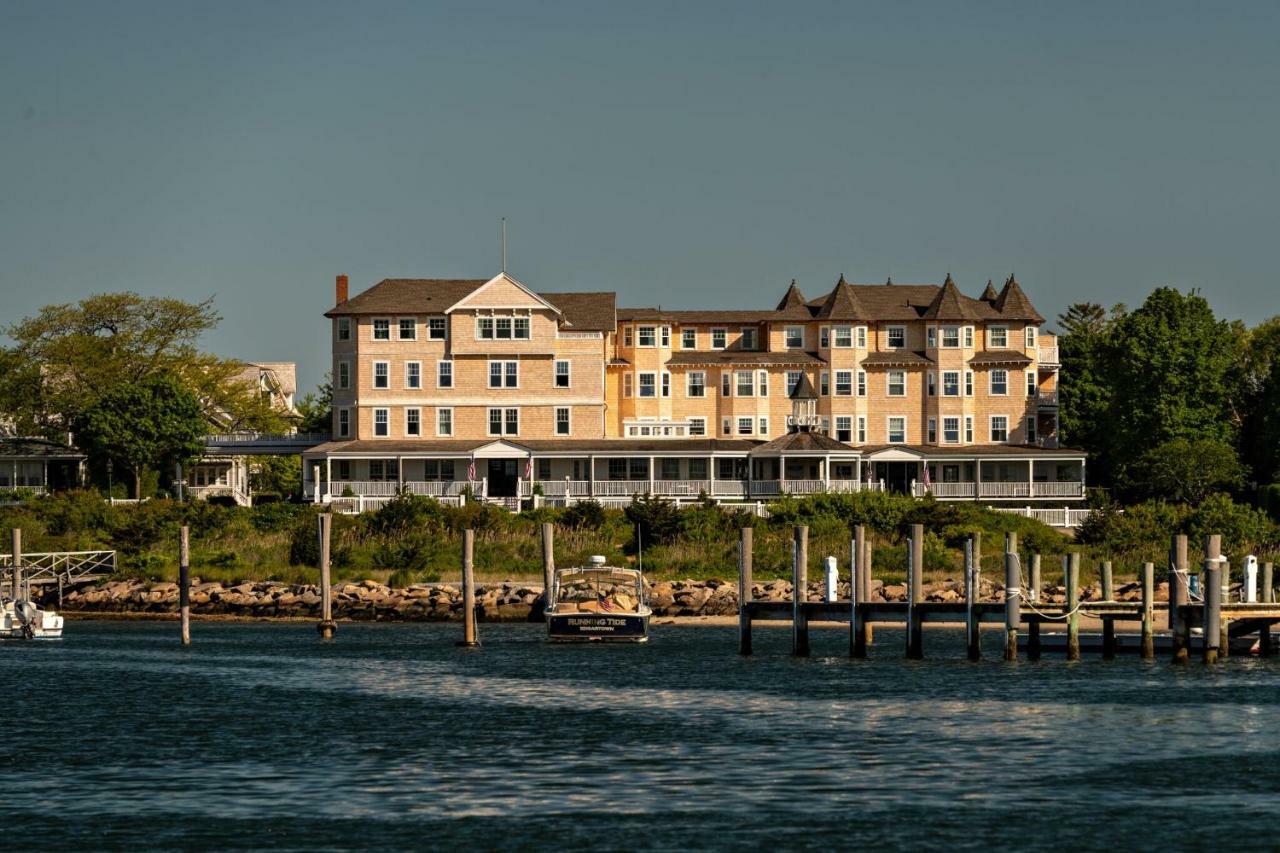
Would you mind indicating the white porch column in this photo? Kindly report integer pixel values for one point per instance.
(328, 479)
(826, 474)
(1031, 478)
(315, 481)
(977, 478)
(399, 473)
(651, 472)
(591, 476)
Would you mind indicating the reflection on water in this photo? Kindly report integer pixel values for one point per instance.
(259, 735)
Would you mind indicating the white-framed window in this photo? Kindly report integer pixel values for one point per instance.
(950, 430)
(342, 469)
(897, 383)
(344, 423)
(844, 383)
(726, 426)
(862, 429)
(444, 374)
(342, 328)
(626, 336)
(626, 384)
(382, 328)
(647, 336)
(999, 382)
(931, 431)
(896, 429)
(968, 337)
(968, 383)
(413, 421)
(504, 374)
(1031, 431)
(746, 384)
(504, 422)
(997, 337)
(862, 383)
(562, 375)
(824, 337)
(344, 375)
(382, 374)
(747, 338)
(745, 426)
(697, 426)
(689, 338)
(562, 420)
(844, 428)
(520, 328)
(999, 428)
(502, 328)
(931, 337)
(407, 329)
(762, 382)
(968, 429)
(950, 337)
(762, 426)
(897, 337)
(697, 469)
(666, 337)
(413, 374)
(843, 337)
(1031, 333)
(726, 383)
(648, 384)
(666, 384)
(382, 422)
(931, 383)
(444, 421)
(824, 384)
(696, 383)
(719, 338)
(792, 380)
(951, 383)
(860, 337)
(1032, 384)
(793, 337)
(438, 328)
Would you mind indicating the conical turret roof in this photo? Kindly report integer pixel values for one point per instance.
(793, 305)
(1014, 304)
(843, 304)
(989, 292)
(950, 304)
(804, 389)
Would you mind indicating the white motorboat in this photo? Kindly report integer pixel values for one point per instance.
(598, 603)
(25, 620)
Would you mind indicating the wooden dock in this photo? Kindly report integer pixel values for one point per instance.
(1219, 621)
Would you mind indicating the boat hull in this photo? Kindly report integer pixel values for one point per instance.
(597, 627)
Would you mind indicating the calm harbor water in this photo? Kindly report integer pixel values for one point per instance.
(261, 736)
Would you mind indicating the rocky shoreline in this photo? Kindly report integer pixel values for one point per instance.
(507, 601)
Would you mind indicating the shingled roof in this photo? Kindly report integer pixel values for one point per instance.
(409, 296)
(793, 305)
(950, 304)
(988, 293)
(585, 312)
(843, 304)
(1013, 304)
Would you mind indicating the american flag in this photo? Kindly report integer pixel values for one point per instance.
(471, 470)
(926, 477)
(606, 603)
(528, 469)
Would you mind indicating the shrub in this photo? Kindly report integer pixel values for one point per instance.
(1244, 530)
(584, 515)
(657, 522)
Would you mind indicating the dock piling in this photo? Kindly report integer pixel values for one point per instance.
(745, 558)
(1032, 594)
(15, 560)
(1212, 610)
(1148, 649)
(184, 583)
(1268, 597)
(1179, 633)
(1071, 564)
(548, 564)
(1213, 551)
(327, 626)
(973, 625)
(1108, 625)
(1012, 599)
(857, 638)
(800, 592)
(915, 592)
(469, 638)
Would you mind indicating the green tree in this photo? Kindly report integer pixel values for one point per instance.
(1084, 393)
(316, 409)
(1255, 402)
(1188, 470)
(153, 422)
(1264, 427)
(1167, 365)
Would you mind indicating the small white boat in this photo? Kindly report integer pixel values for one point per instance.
(598, 603)
(25, 620)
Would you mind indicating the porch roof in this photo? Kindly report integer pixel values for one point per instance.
(37, 448)
(803, 443)
(979, 451)
(535, 447)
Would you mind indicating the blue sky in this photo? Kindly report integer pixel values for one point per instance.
(695, 155)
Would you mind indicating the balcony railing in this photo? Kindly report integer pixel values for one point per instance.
(390, 488)
(947, 490)
(1049, 355)
(1048, 398)
(969, 491)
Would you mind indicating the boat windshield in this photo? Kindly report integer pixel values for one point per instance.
(599, 591)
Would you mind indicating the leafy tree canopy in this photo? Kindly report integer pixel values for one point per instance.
(1188, 470)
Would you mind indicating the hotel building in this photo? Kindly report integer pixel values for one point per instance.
(444, 384)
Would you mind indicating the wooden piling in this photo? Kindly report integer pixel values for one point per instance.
(977, 553)
(1072, 581)
(857, 638)
(800, 592)
(327, 626)
(915, 593)
(1265, 648)
(745, 559)
(1212, 610)
(1148, 648)
(1032, 594)
(868, 571)
(15, 561)
(184, 583)
(973, 624)
(548, 565)
(1012, 601)
(1213, 551)
(1179, 632)
(1108, 625)
(469, 638)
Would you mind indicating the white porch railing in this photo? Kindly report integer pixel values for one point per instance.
(218, 491)
(969, 491)
(619, 488)
(1048, 354)
(729, 488)
(390, 488)
(947, 490)
(1004, 490)
(1052, 517)
(1048, 398)
(1057, 489)
(556, 488)
(681, 488)
(442, 488)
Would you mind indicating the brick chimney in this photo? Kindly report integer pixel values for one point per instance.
(342, 289)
